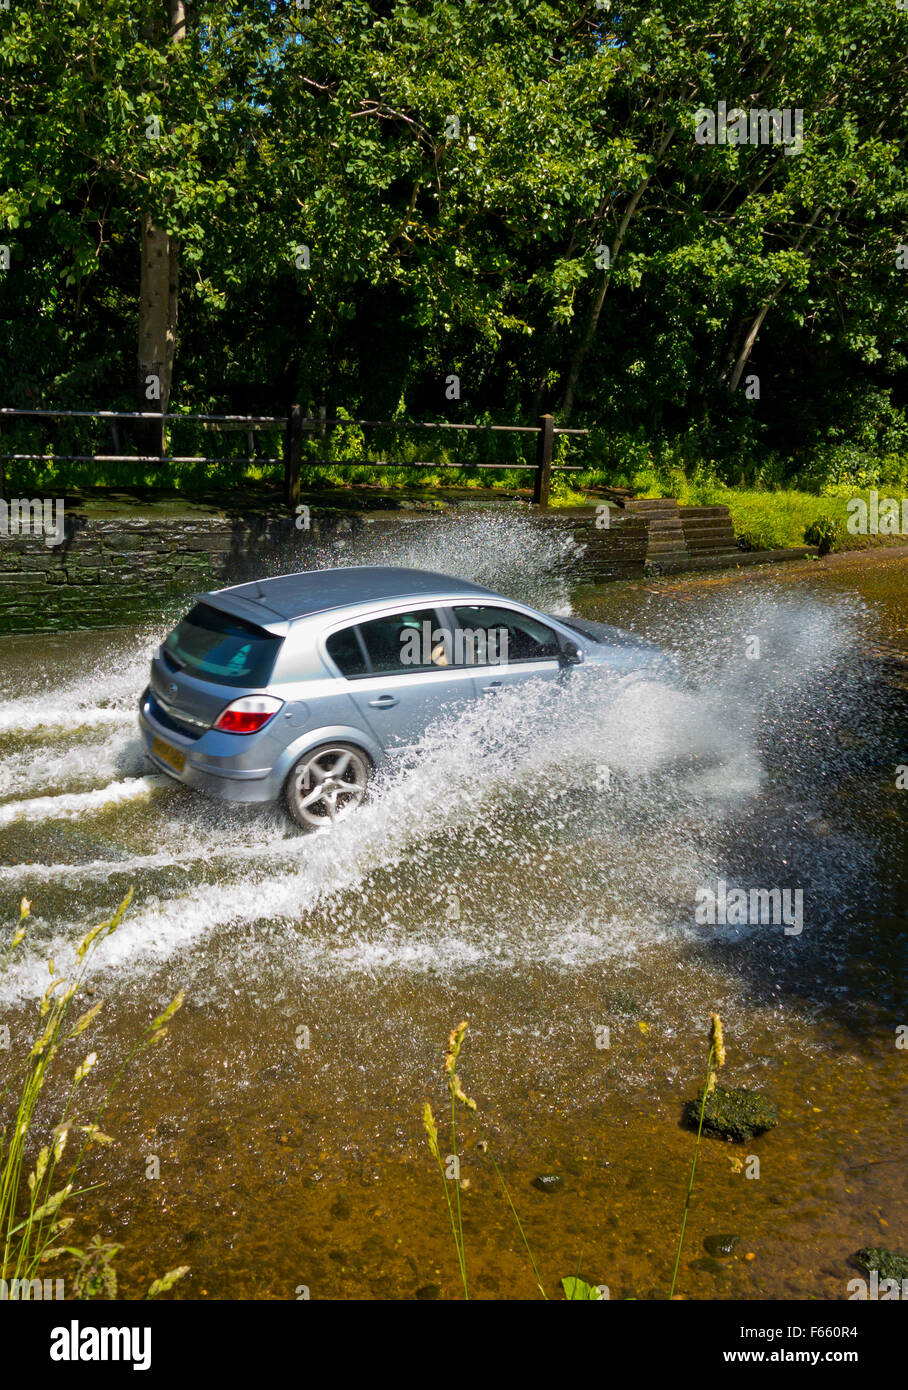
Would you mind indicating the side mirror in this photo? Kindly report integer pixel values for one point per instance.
(571, 654)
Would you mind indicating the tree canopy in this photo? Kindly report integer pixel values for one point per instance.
(365, 198)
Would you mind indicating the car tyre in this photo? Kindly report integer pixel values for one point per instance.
(326, 784)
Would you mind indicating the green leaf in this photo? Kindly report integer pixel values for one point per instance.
(167, 1281)
(579, 1289)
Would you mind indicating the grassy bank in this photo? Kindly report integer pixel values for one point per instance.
(774, 520)
(771, 506)
(765, 518)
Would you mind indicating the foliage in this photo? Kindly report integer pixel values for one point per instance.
(562, 494)
(167, 1281)
(823, 533)
(471, 249)
(96, 1277)
(578, 1290)
(95, 1274)
(30, 1207)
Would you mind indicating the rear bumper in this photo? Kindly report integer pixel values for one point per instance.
(227, 783)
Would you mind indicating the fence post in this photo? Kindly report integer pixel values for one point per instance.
(322, 415)
(543, 479)
(293, 451)
(2, 467)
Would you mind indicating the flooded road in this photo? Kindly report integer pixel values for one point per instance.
(535, 871)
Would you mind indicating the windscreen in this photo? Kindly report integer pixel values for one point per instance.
(216, 646)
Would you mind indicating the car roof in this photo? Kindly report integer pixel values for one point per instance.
(290, 596)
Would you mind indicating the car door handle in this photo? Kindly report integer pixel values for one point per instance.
(493, 685)
(384, 702)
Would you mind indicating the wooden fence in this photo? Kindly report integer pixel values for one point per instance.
(295, 425)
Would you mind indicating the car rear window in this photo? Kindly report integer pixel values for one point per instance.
(216, 646)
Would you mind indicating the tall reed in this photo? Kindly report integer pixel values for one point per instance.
(574, 1287)
(30, 1208)
(717, 1056)
(455, 1214)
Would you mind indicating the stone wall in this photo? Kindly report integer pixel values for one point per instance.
(121, 570)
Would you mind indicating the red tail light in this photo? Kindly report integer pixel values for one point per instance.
(248, 715)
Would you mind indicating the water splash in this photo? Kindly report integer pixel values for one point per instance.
(26, 716)
(514, 779)
(74, 805)
(504, 550)
(570, 823)
(74, 763)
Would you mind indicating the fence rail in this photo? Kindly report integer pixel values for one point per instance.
(262, 421)
(295, 425)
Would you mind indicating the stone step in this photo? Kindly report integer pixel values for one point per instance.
(740, 558)
(615, 542)
(720, 528)
(620, 552)
(694, 512)
(619, 566)
(711, 538)
(612, 537)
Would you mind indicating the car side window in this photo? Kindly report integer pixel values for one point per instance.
(347, 652)
(490, 636)
(414, 641)
(417, 640)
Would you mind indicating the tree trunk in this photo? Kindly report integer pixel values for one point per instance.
(751, 338)
(158, 296)
(546, 341)
(731, 352)
(157, 329)
(759, 319)
(580, 352)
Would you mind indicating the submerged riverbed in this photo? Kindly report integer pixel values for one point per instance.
(534, 871)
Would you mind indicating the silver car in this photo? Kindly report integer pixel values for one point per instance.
(302, 685)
